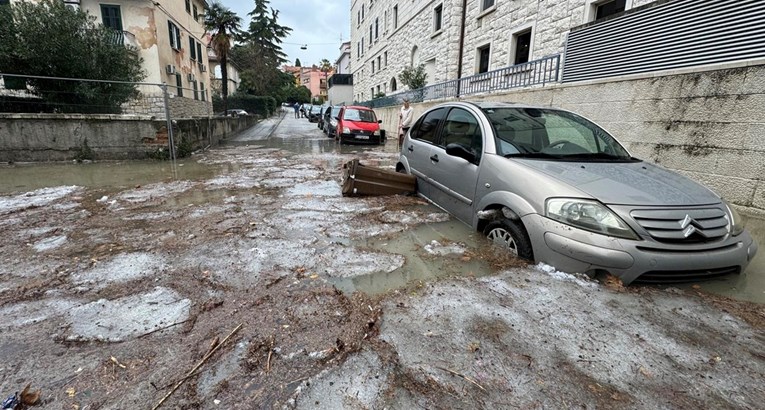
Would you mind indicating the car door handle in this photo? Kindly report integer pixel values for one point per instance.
(434, 158)
(410, 148)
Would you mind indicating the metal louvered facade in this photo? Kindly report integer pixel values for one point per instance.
(667, 35)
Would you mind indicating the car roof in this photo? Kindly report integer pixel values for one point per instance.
(491, 104)
(359, 107)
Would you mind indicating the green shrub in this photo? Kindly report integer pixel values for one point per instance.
(264, 106)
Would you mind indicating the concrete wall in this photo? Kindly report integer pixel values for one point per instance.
(341, 94)
(57, 137)
(708, 125)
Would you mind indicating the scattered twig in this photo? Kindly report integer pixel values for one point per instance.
(298, 380)
(201, 362)
(270, 352)
(462, 376)
(163, 328)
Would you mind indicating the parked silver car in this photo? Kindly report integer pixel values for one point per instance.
(553, 187)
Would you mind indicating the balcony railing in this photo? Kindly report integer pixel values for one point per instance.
(537, 72)
(123, 38)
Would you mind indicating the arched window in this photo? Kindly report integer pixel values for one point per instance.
(415, 56)
(393, 86)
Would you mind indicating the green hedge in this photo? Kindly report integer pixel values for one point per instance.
(264, 106)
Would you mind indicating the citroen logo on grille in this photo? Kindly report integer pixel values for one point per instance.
(685, 224)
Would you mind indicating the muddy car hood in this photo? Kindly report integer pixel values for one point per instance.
(632, 183)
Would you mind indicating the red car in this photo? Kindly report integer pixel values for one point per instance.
(358, 125)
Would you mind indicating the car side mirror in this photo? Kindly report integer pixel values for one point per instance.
(379, 121)
(337, 118)
(460, 151)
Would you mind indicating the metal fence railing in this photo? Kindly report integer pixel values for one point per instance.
(537, 72)
(27, 94)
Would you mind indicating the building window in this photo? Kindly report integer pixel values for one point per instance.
(362, 12)
(395, 17)
(378, 90)
(373, 66)
(370, 34)
(358, 18)
(483, 58)
(486, 4)
(377, 28)
(199, 53)
(522, 45)
(111, 17)
(175, 35)
(196, 12)
(438, 13)
(192, 48)
(393, 84)
(202, 91)
(379, 60)
(188, 6)
(362, 45)
(609, 8)
(179, 84)
(386, 58)
(196, 93)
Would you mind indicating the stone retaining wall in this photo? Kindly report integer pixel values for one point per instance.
(63, 137)
(708, 125)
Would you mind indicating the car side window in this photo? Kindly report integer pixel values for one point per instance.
(461, 127)
(426, 127)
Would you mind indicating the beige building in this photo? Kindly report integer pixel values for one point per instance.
(216, 74)
(170, 37)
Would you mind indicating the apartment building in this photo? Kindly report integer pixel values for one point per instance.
(170, 37)
(453, 41)
(312, 78)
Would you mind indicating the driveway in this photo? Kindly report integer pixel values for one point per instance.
(114, 287)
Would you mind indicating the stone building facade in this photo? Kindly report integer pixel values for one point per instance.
(390, 35)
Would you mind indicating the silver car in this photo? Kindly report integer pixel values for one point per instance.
(553, 187)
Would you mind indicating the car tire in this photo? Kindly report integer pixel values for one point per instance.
(510, 235)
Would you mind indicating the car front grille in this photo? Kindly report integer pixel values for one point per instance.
(679, 276)
(683, 226)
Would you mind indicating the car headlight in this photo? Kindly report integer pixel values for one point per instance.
(736, 224)
(346, 130)
(588, 215)
(333, 123)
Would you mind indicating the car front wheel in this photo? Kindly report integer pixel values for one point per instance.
(510, 235)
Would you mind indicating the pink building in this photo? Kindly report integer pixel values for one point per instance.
(312, 78)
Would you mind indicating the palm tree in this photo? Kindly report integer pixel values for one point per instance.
(224, 27)
(325, 66)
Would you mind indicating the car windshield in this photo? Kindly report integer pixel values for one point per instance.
(316, 109)
(353, 114)
(552, 134)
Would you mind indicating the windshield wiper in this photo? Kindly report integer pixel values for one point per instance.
(532, 155)
(597, 155)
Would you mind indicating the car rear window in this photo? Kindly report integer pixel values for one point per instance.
(353, 114)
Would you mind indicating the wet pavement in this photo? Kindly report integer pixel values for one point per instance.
(115, 279)
(299, 138)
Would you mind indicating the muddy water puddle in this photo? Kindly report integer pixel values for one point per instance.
(750, 285)
(434, 250)
(111, 174)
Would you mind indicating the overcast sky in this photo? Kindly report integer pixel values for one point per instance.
(317, 23)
